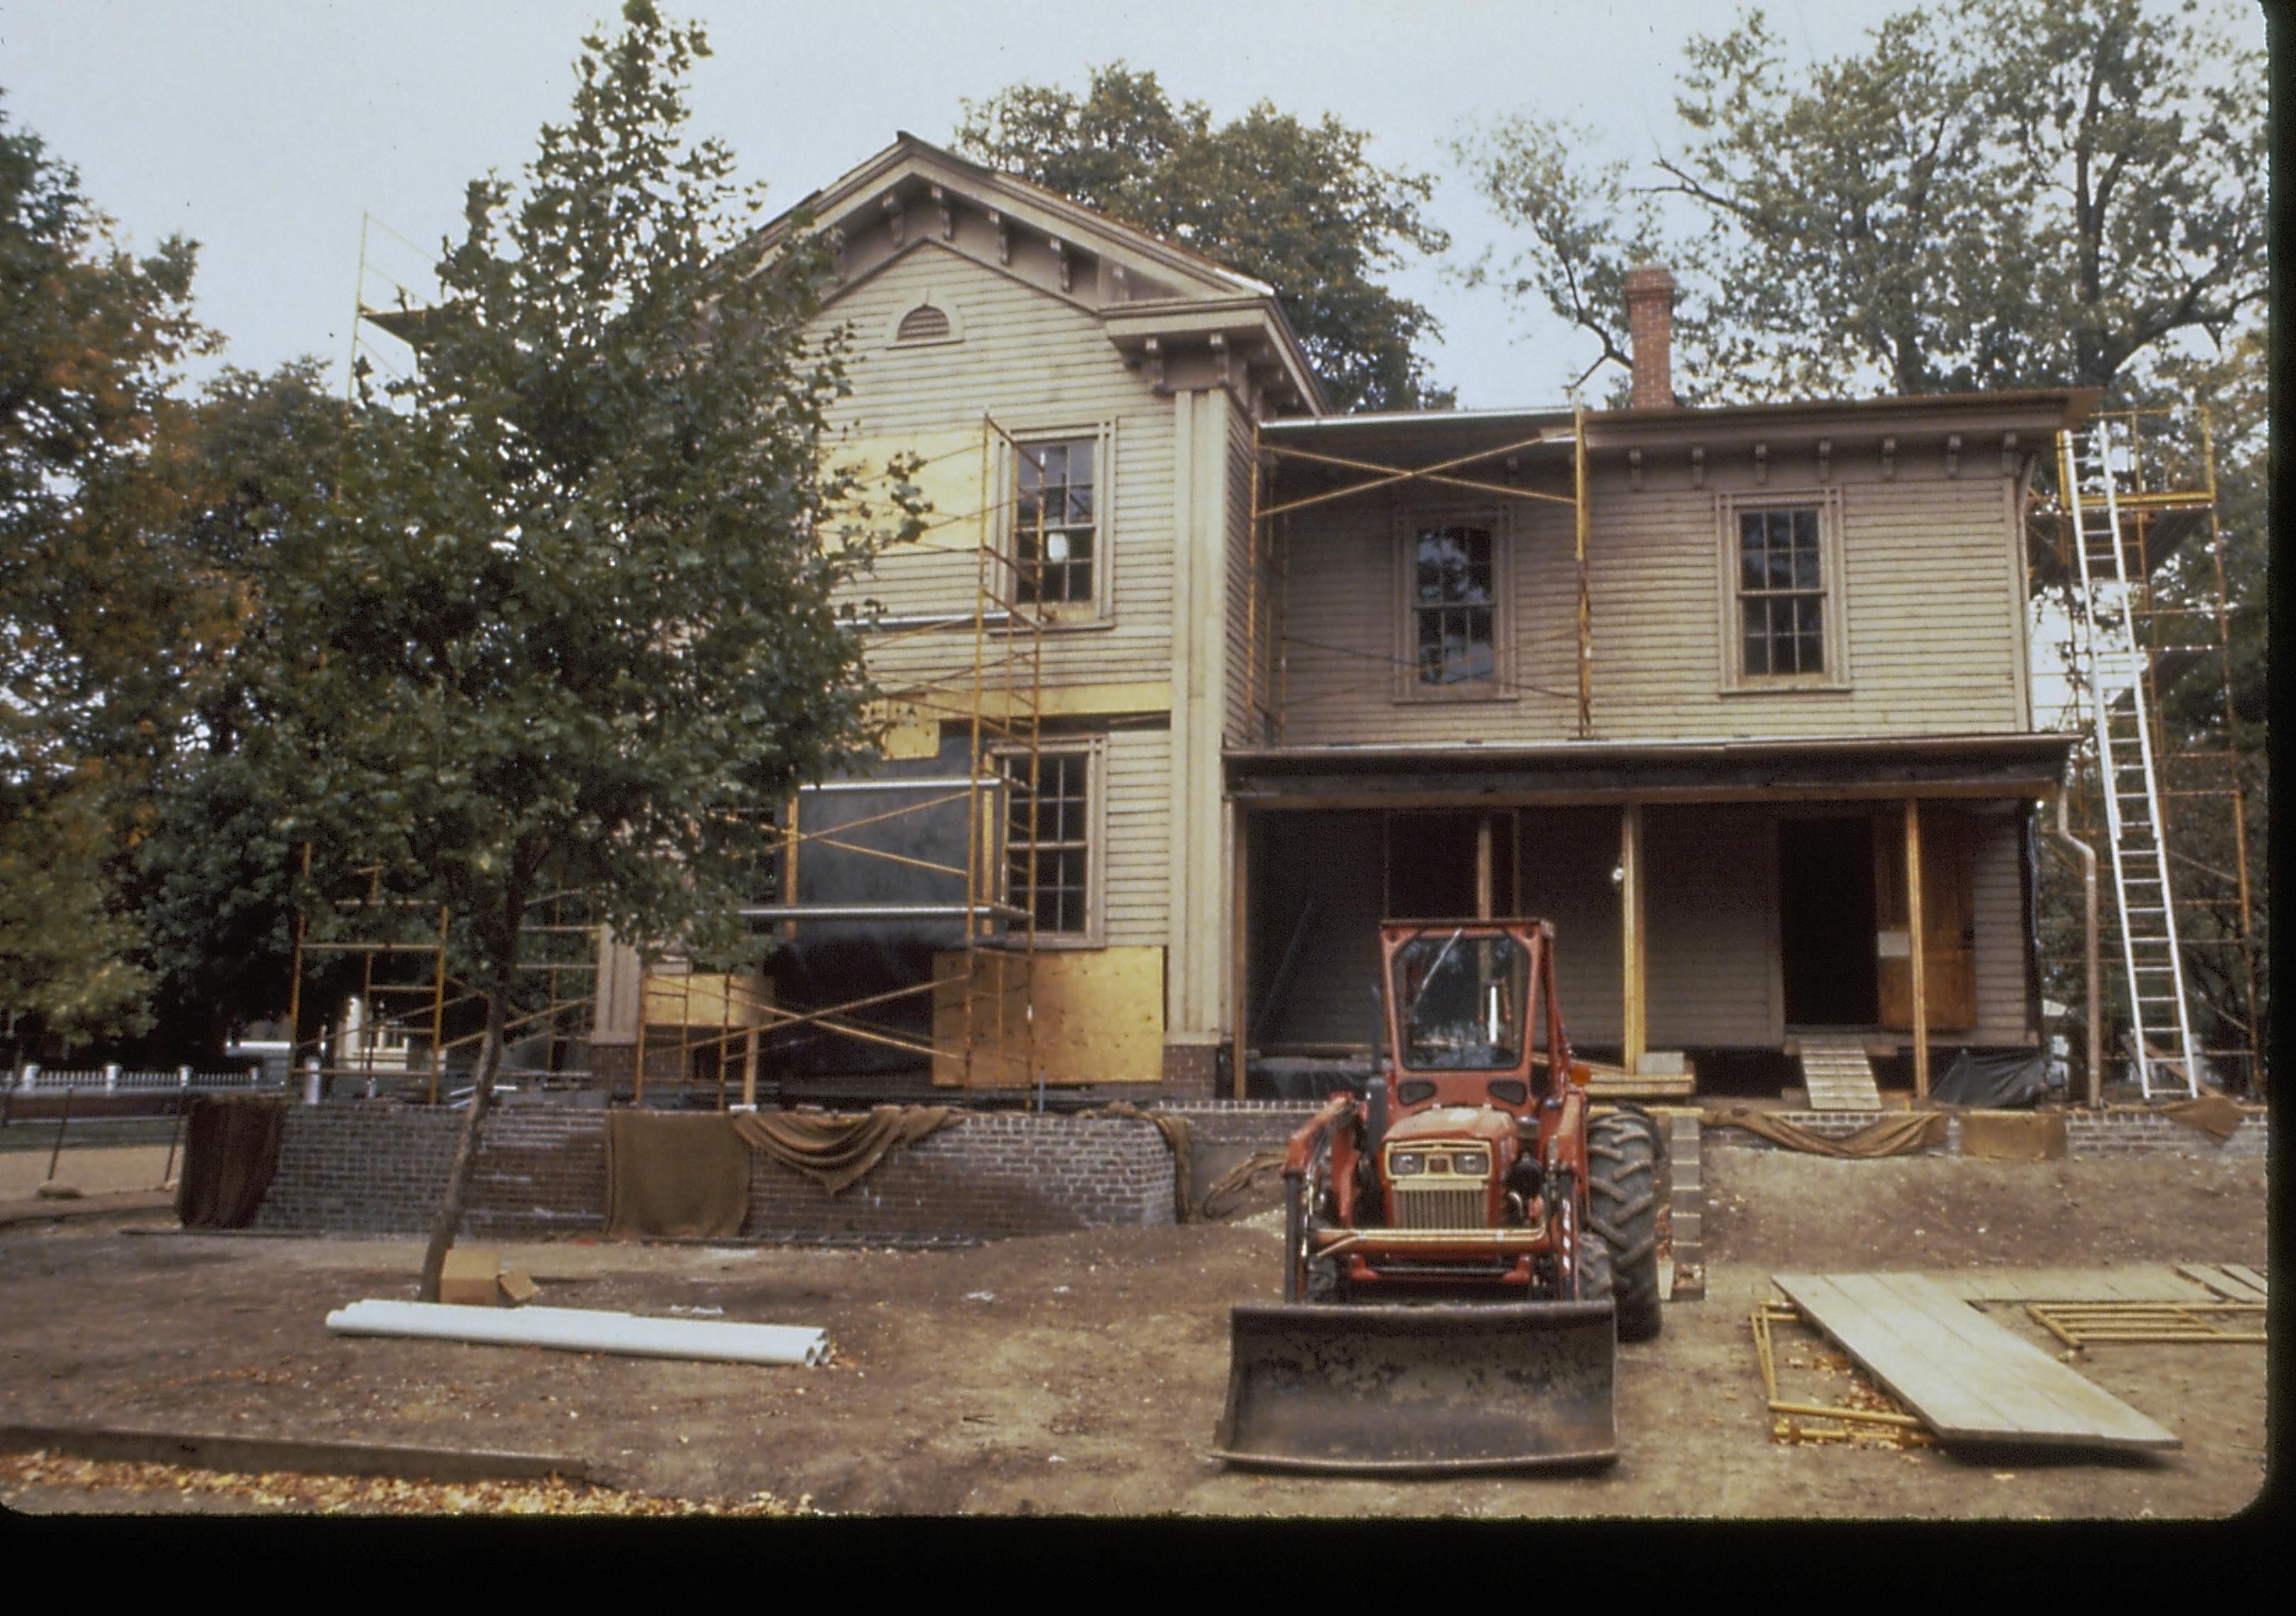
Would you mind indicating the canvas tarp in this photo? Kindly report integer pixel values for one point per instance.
(675, 1174)
(231, 1149)
(835, 1150)
(2215, 1115)
(1903, 1133)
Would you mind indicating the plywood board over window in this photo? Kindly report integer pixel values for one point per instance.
(1948, 920)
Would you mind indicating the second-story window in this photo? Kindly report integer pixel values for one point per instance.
(1781, 592)
(1056, 522)
(1455, 607)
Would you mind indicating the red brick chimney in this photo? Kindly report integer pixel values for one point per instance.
(1650, 335)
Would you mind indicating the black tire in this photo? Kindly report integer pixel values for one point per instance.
(1622, 1153)
(1595, 1280)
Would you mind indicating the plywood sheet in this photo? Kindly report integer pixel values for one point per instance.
(2227, 1280)
(1967, 1378)
(1098, 1017)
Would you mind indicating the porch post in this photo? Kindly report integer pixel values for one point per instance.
(1915, 946)
(1630, 933)
(1238, 972)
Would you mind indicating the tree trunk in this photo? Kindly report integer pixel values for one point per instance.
(466, 1148)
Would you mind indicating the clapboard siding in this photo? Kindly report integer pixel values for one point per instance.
(1566, 857)
(1998, 852)
(1710, 909)
(1928, 588)
(1242, 601)
(1137, 889)
(1032, 362)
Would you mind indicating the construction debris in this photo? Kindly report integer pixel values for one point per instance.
(1869, 1416)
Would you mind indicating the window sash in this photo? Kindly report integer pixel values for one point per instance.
(1048, 840)
(1055, 522)
(1782, 592)
(1454, 605)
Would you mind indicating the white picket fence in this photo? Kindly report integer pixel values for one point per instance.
(35, 1079)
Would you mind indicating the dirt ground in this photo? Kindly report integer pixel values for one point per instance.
(1084, 1373)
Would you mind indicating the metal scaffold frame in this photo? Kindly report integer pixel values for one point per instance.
(1267, 575)
(993, 687)
(394, 1033)
(2162, 497)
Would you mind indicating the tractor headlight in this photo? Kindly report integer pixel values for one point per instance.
(1474, 1162)
(1406, 1162)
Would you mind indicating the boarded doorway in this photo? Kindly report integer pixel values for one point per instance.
(1825, 922)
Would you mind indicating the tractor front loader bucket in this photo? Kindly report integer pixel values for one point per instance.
(1428, 1389)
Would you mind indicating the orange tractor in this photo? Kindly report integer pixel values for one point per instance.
(1464, 1246)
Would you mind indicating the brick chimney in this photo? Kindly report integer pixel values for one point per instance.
(1650, 335)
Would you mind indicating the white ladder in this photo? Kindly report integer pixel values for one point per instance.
(2112, 663)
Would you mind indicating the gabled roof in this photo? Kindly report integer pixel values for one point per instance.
(1025, 202)
(1157, 299)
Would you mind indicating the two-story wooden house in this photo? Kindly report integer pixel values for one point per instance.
(1700, 686)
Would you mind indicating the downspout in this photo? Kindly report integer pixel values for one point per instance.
(2081, 853)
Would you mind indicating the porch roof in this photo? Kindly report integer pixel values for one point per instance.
(1399, 774)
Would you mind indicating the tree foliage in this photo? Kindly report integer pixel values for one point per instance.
(90, 621)
(1300, 206)
(2004, 195)
(565, 620)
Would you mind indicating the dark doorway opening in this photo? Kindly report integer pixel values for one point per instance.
(1825, 922)
(1433, 863)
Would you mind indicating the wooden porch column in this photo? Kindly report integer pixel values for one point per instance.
(1914, 945)
(1630, 933)
(1239, 943)
(1484, 907)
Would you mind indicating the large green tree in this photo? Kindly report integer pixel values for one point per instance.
(2004, 195)
(90, 340)
(1300, 206)
(566, 618)
(1999, 196)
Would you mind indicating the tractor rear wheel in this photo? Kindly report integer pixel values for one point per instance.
(1622, 1209)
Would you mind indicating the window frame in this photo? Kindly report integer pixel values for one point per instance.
(1098, 611)
(1093, 749)
(1408, 526)
(1834, 639)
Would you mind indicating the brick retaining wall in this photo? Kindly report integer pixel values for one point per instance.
(2089, 1135)
(380, 1166)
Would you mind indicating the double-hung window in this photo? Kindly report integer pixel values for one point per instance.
(1783, 616)
(1049, 839)
(1056, 528)
(1453, 616)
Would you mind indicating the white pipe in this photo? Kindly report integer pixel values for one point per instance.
(585, 1329)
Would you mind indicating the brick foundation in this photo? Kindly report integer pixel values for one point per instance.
(614, 1066)
(2089, 1135)
(380, 1168)
(1191, 1071)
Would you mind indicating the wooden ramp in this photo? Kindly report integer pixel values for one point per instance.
(1838, 1075)
(1968, 1379)
(2229, 1280)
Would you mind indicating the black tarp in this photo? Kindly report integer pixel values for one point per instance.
(1993, 1080)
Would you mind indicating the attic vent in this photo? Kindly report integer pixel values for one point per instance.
(923, 324)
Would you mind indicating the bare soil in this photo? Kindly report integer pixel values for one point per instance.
(1084, 1373)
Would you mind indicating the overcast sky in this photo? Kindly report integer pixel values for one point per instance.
(266, 130)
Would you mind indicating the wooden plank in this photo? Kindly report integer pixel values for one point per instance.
(1970, 1380)
(2255, 1280)
(2223, 1281)
(2146, 1282)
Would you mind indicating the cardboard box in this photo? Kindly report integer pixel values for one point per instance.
(472, 1277)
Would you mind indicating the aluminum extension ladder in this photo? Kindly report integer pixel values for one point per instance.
(2113, 664)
